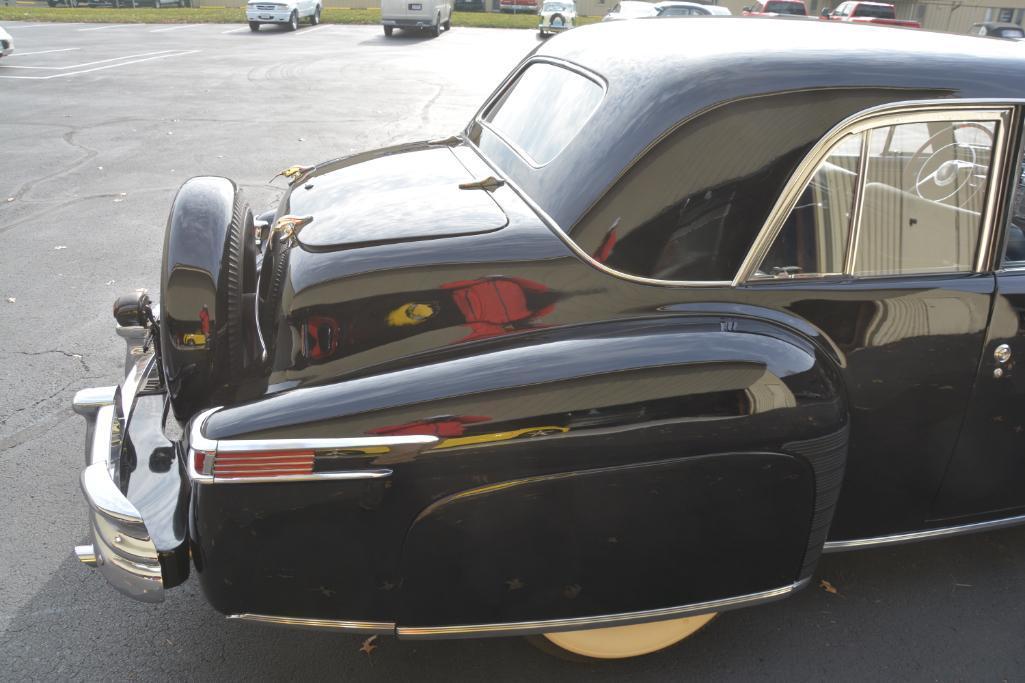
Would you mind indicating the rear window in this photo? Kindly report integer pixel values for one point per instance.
(777, 7)
(543, 111)
(1009, 33)
(875, 12)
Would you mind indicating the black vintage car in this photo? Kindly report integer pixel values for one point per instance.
(635, 347)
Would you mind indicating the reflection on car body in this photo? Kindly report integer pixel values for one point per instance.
(556, 379)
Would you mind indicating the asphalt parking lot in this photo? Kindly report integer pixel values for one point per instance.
(99, 125)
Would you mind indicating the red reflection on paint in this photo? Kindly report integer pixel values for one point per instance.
(494, 306)
(321, 335)
(444, 426)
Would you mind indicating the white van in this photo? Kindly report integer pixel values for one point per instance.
(429, 15)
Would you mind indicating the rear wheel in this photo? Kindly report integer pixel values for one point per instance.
(388, 31)
(447, 23)
(293, 22)
(315, 19)
(254, 26)
(436, 29)
(621, 642)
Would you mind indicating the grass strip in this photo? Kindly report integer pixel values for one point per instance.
(173, 15)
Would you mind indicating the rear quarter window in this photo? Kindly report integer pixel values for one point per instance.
(541, 113)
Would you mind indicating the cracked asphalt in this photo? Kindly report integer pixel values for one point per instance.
(93, 145)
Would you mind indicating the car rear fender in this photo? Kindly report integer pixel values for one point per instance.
(556, 415)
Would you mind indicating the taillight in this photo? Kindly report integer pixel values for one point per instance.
(257, 464)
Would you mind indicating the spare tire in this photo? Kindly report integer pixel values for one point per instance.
(207, 271)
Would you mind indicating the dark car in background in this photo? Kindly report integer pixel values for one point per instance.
(996, 29)
(631, 349)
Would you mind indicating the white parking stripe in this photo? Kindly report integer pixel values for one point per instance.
(311, 30)
(236, 30)
(18, 28)
(100, 28)
(101, 68)
(174, 28)
(42, 52)
(79, 66)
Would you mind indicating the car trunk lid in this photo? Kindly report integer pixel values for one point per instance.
(402, 194)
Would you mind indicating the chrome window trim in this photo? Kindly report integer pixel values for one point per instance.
(522, 628)
(875, 117)
(511, 81)
(573, 246)
(854, 229)
(913, 536)
(199, 442)
(910, 110)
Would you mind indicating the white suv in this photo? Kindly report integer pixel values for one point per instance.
(282, 12)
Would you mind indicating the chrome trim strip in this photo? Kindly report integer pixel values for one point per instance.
(511, 81)
(994, 193)
(889, 114)
(199, 442)
(368, 627)
(909, 110)
(913, 536)
(568, 241)
(315, 476)
(581, 623)
(249, 445)
(859, 194)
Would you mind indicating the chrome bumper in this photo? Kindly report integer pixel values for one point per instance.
(122, 549)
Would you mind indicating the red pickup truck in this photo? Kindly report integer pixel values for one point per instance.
(868, 13)
(776, 8)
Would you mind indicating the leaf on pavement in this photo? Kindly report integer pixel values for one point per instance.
(368, 646)
(828, 587)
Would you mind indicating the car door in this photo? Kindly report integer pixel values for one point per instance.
(986, 478)
(883, 252)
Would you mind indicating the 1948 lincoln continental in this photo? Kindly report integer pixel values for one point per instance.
(652, 333)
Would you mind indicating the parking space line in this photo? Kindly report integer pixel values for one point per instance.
(19, 28)
(101, 28)
(42, 52)
(101, 68)
(312, 29)
(175, 28)
(79, 66)
(236, 30)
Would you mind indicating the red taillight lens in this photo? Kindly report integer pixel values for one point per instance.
(260, 464)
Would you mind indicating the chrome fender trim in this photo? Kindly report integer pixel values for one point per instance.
(913, 536)
(386, 448)
(366, 627)
(525, 628)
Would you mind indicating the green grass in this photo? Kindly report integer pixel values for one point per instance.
(149, 15)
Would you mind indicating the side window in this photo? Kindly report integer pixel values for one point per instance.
(923, 199)
(921, 205)
(813, 240)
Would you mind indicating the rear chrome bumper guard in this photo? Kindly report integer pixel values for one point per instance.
(122, 550)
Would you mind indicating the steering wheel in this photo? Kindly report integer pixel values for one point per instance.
(952, 168)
